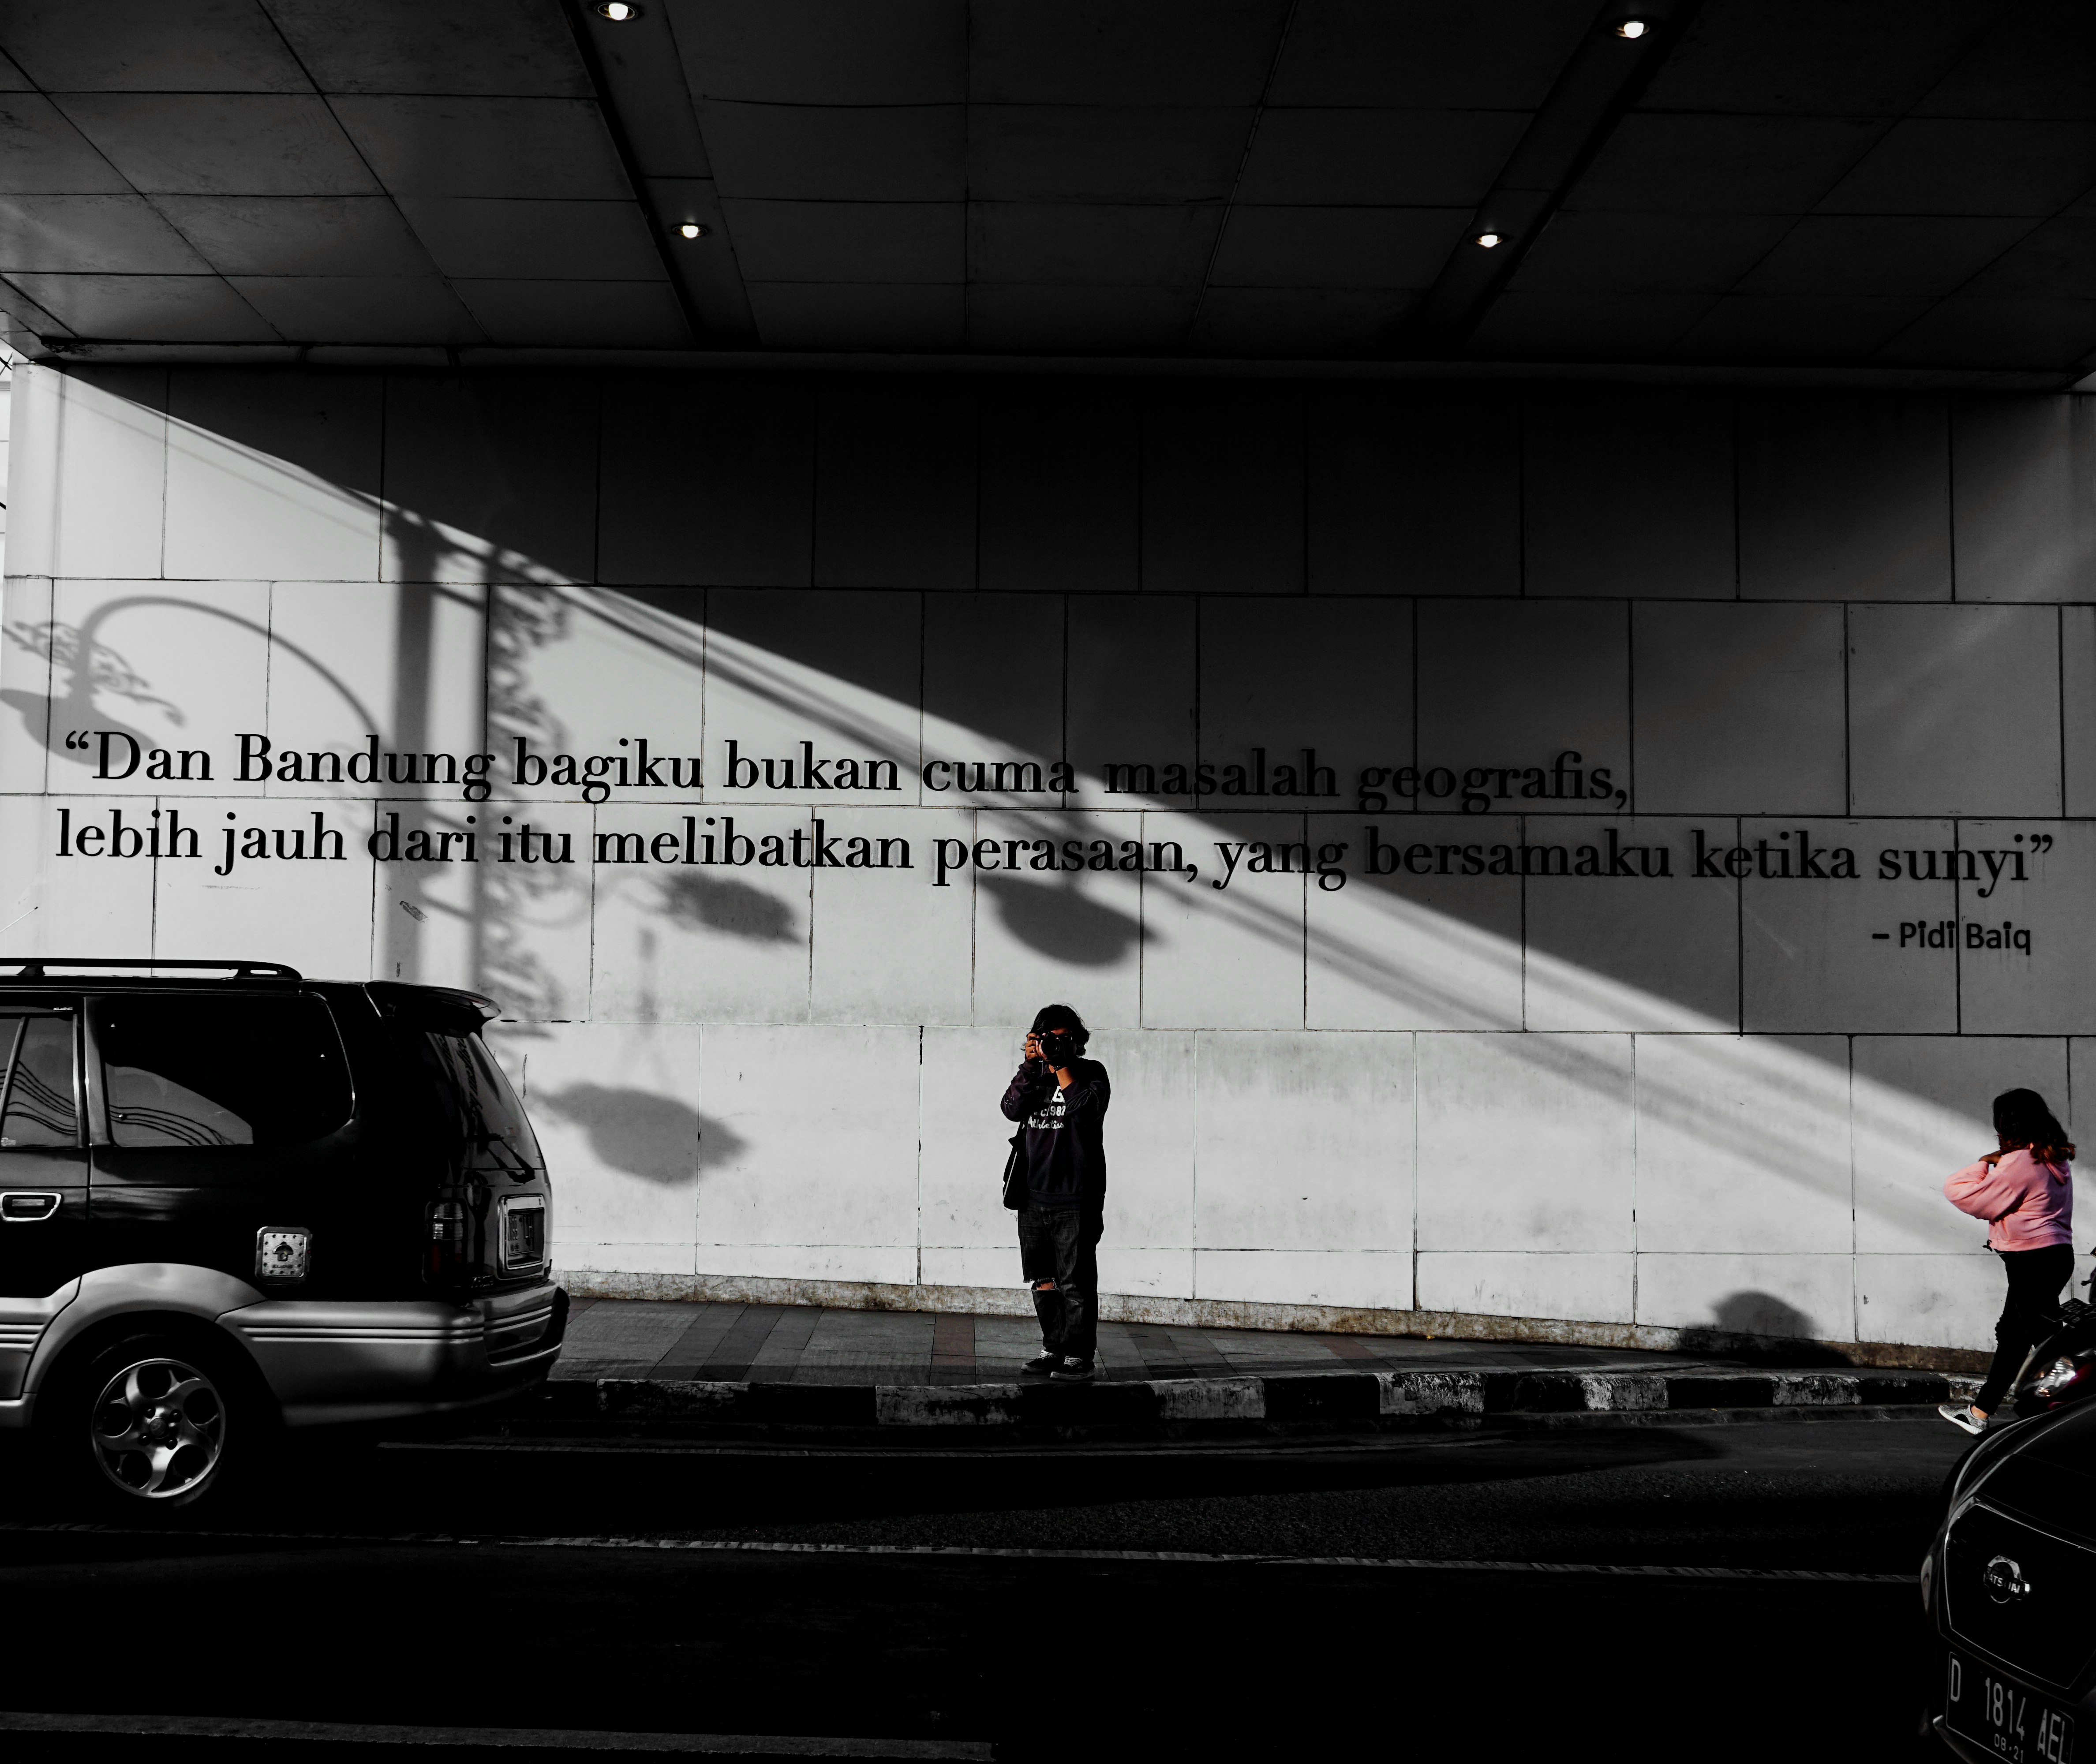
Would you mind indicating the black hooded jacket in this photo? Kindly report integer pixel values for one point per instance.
(1066, 1154)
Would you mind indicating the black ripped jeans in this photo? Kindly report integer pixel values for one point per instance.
(1058, 1255)
(2031, 1314)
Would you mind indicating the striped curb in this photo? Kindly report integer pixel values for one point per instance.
(1284, 1397)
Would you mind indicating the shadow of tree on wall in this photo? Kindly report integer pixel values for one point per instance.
(517, 900)
(93, 671)
(696, 629)
(639, 1131)
(721, 903)
(1058, 921)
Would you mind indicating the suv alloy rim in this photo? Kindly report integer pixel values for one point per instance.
(159, 1429)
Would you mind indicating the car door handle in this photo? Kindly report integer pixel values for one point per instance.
(25, 1207)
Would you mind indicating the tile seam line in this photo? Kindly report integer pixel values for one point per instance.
(1229, 204)
(1156, 594)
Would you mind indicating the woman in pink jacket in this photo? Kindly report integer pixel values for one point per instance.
(2025, 1192)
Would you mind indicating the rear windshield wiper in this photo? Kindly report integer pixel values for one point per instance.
(495, 1146)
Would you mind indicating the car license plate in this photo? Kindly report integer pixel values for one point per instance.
(2006, 1718)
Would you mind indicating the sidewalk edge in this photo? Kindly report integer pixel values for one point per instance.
(1313, 1396)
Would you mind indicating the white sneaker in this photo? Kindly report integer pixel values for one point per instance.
(1962, 1415)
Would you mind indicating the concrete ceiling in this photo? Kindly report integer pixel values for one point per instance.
(1873, 183)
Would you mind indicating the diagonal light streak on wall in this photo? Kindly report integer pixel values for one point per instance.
(1766, 1107)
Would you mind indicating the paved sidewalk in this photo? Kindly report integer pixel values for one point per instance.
(864, 1374)
(672, 1342)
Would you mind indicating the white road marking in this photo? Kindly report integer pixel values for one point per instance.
(1662, 1570)
(563, 1738)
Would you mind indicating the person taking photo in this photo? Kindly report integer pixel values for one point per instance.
(1061, 1098)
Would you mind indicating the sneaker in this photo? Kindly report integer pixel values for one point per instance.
(1962, 1415)
(1072, 1371)
(1041, 1366)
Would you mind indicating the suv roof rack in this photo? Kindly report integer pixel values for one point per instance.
(39, 967)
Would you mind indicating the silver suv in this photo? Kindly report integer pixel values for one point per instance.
(234, 1202)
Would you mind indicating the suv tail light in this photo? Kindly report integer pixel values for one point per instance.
(448, 1257)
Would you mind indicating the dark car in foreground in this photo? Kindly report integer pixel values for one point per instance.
(2009, 1586)
(236, 1203)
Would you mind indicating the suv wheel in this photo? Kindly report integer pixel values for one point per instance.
(154, 1416)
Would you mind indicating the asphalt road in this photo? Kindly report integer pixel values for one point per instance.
(619, 1593)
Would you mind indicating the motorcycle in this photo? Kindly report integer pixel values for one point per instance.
(2061, 1368)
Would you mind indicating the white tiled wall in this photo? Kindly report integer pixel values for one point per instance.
(1829, 957)
(1723, 1099)
(815, 1132)
(1845, 497)
(1740, 708)
(1954, 710)
(1038, 935)
(296, 495)
(1743, 1146)
(1515, 683)
(626, 1107)
(1217, 957)
(1059, 499)
(1151, 1160)
(1332, 675)
(499, 453)
(1303, 1141)
(1647, 952)
(1527, 1142)
(730, 943)
(1411, 950)
(2020, 499)
(1130, 682)
(1413, 493)
(1630, 494)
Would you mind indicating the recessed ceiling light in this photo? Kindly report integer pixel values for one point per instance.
(619, 11)
(1633, 28)
(1488, 240)
(691, 229)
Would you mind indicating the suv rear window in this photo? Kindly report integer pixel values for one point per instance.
(194, 1070)
(38, 1108)
(477, 1097)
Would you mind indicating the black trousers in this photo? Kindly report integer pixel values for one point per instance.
(2031, 1314)
(1058, 1255)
